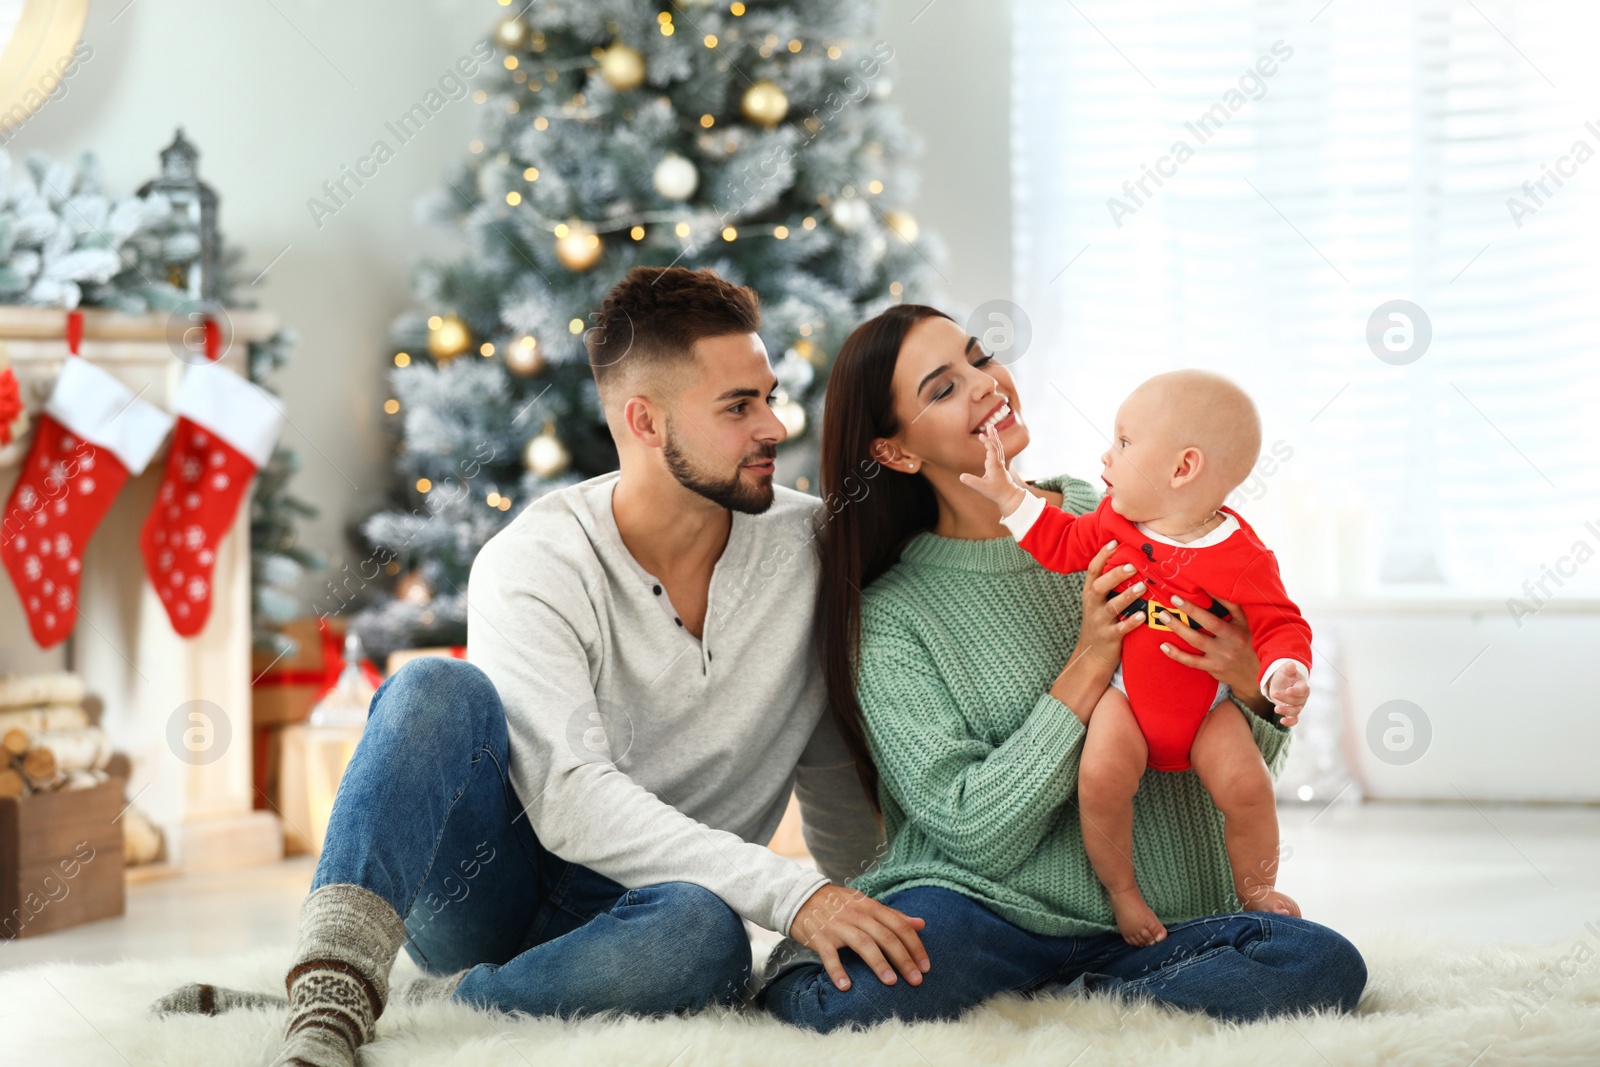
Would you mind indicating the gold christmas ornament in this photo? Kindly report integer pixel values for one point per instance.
(545, 455)
(904, 224)
(447, 337)
(764, 103)
(578, 250)
(792, 415)
(524, 358)
(412, 588)
(512, 33)
(622, 67)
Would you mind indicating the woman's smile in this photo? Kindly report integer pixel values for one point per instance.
(1001, 418)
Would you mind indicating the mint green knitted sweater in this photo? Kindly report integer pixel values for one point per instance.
(978, 763)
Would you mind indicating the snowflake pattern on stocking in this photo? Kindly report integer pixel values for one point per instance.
(53, 509)
(195, 507)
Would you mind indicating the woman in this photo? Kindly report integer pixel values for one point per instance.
(943, 644)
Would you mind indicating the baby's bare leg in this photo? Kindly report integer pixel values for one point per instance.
(1230, 766)
(1113, 761)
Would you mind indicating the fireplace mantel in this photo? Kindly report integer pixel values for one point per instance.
(123, 645)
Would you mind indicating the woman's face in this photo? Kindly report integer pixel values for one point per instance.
(946, 388)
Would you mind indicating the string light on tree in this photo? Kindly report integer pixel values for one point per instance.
(448, 337)
(412, 588)
(545, 455)
(764, 103)
(524, 358)
(512, 34)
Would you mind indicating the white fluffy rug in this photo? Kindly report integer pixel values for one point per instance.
(1426, 1003)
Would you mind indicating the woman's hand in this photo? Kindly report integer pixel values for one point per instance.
(1083, 681)
(1225, 651)
(1103, 626)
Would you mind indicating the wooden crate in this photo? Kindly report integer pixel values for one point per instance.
(61, 859)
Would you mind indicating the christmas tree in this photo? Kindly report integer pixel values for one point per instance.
(751, 139)
(278, 562)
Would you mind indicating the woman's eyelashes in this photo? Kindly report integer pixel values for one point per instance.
(985, 360)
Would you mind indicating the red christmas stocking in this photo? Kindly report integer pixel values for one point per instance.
(226, 430)
(94, 433)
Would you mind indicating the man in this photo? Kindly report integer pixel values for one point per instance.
(575, 819)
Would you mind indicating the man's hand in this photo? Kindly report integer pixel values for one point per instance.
(834, 917)
(1288, 689)
(997, 482)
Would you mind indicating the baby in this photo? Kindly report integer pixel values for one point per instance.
(1183, 441)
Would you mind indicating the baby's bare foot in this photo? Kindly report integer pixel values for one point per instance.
(1138, 924)
(1273, 901)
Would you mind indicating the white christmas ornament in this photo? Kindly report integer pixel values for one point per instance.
(850, 213)
(675, 177)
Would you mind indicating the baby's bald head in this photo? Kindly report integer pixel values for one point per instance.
(1204, 410)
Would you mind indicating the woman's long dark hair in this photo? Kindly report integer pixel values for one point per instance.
(872, 511)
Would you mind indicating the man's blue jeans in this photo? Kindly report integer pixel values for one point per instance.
(1240, 967)
(426, 817)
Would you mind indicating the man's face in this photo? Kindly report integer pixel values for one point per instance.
(721, 433)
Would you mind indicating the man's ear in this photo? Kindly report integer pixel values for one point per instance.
(643, 421)
(1191, 464)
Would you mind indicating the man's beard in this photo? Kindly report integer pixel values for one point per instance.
(733, 494)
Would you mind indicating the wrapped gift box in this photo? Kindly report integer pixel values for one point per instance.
(286, 688)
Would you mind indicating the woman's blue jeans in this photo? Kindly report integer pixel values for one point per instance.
(1239, 967)
(426, 818)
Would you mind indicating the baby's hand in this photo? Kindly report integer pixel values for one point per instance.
(997, 482)
(1288, 689)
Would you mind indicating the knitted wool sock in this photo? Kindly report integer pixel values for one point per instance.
(422, 990)
(198, 998)
(339, 981)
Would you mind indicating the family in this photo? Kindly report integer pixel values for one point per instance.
(930, 656)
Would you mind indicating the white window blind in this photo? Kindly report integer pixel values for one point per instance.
(1239, 185)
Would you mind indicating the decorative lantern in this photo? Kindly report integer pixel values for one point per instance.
(201, 277)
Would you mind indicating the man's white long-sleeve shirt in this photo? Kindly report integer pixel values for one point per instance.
(644, 753)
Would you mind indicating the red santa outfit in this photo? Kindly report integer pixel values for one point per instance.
(1169, 699)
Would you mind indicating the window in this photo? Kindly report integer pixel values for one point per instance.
(1249, 186)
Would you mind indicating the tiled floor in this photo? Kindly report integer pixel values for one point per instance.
(1506, 873)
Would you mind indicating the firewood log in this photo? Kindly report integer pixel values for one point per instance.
(85, 748)
(45, 717)
(11, 783)
(39, 767)
(16, 741)
(27, 690)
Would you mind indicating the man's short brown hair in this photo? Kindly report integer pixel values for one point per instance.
(649, 321)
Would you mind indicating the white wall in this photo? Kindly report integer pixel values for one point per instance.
(278, 102)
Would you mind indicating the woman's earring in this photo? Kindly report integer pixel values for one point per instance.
(913, 464)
